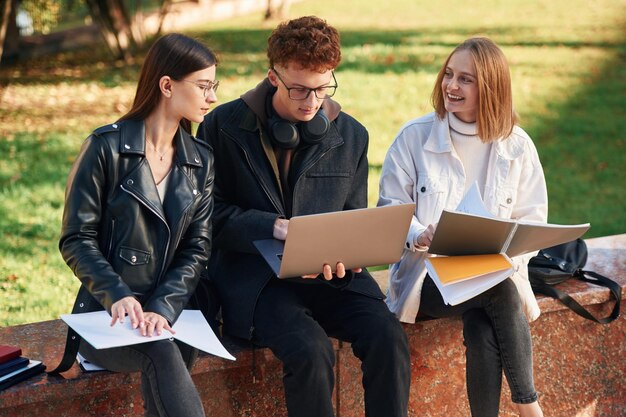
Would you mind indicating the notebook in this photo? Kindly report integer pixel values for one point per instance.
(358, 238)
(19, 375)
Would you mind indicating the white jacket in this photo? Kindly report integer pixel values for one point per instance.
(422, 167)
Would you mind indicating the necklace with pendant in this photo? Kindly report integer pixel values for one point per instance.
(161, 155)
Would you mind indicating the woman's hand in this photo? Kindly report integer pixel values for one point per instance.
(127, 306)
(426, 237)
(155, 323)
(148, 322)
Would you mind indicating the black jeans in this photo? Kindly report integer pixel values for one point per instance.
(166, 385)
(497, 338)
(294, 320)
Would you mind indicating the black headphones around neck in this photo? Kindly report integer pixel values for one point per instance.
(287, 135)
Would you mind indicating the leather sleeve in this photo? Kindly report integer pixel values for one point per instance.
(81, 224)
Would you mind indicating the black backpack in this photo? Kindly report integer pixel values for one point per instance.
(559, 263)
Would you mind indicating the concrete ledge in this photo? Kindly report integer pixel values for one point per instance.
(579, 366)
(228, 388)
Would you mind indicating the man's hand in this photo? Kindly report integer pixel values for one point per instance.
(280, 229)
(340, 272)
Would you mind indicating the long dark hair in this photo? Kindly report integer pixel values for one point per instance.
(174, 55)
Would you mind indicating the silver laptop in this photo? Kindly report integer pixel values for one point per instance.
(358, 238)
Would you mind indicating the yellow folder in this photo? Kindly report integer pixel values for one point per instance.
(450, 269)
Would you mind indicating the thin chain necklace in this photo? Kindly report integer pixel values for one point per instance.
(161, 155)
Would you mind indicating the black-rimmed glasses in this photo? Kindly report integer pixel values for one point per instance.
(210, 85)
(302, 93)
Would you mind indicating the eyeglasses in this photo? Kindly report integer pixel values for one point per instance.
(302, 93)
(211, 85)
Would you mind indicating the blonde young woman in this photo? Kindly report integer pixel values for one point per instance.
(471, 137)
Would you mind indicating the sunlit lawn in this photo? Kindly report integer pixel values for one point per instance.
(569, 76)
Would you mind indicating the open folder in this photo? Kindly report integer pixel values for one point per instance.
(191, 328)
(469, 233)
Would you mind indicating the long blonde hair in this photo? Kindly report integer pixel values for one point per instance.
(495, 116)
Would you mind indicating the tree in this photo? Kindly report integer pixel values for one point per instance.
(8, 28)
(117, 27)
(277, 9)
(120, 30)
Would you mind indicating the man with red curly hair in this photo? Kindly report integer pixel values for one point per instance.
(286, 149)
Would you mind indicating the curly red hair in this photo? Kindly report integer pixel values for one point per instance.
(309, 42)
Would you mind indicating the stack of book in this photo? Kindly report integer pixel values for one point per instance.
(15, 368)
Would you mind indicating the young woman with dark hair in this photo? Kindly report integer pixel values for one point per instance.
(136, 225)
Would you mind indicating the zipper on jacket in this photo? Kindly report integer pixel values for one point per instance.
(187, 172)
(278, 207)
(256, 301)
(167, 226)
(182, 221)
(111, 232)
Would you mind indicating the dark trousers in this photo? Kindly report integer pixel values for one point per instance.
(166, 385)
(294, 320)
(497, 338)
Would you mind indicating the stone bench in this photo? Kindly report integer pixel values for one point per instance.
(579, 365)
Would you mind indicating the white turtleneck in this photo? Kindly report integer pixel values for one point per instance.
(473, 152)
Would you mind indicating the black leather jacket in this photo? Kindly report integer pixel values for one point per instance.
(117, 236)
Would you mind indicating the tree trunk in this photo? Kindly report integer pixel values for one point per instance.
(137, 23)
(116, 27)
(277, 9)
(123, 23)
(9, 34)
(106, 29)
(163, 11)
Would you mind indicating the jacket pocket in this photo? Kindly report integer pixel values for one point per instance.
(429, 195)
(506, 199)
(319, 183)
(134, 256)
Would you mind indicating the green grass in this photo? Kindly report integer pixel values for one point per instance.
(569, 79)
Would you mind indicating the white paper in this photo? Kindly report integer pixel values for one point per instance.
(195, 331)
(191, 328)
(88, 366)
(462, 291)
(472, 203)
